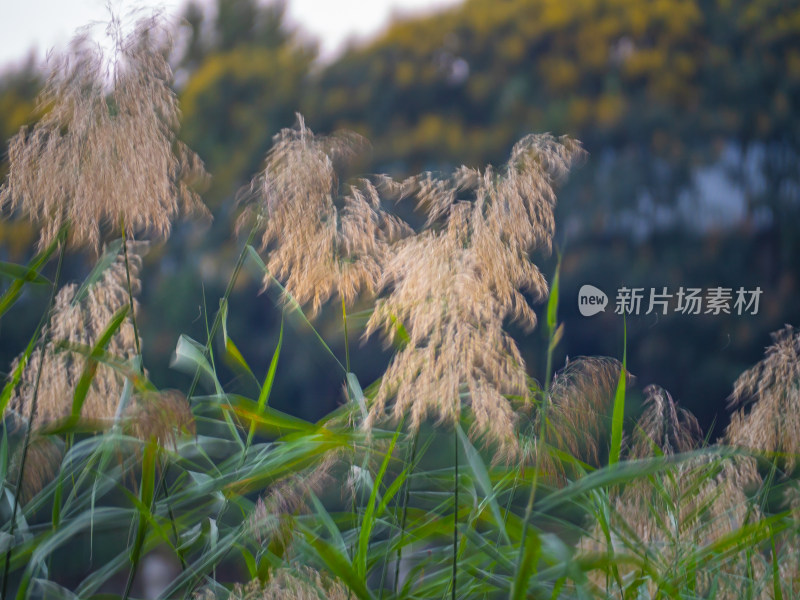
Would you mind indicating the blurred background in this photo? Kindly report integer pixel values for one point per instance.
(689, 110)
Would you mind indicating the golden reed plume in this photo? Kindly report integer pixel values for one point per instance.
(81, 321)
(772, 386)
(105, 152)
(319, 243)
(450, 286)
(453, 285)
(664, 426)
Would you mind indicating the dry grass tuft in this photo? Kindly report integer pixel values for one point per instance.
(81, 322)
(453, 285)
(671, 515)
(582, 398)
(773, 388)
(288, 496)
(105, 157)
(41, 466)
(302, 583)
(664, 425)
(320, 243)
(162, 416)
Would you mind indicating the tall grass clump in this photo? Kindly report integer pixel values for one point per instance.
(78, 320)
(460, 472)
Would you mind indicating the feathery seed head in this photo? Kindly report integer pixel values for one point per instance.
(319, 243)
(81, 321)
(452, 286)
(287, 496)
(670, 514)
(41, 466)
(162, 416)
(105, 157)
(456, 344)
(582, 397)
(664, 425)
(773, 388)
(285, 583)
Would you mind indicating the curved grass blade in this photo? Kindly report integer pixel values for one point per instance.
(89, 371)
(291, 302)
(368, 522)
(11, 295)
(619, 405)
(23, 273)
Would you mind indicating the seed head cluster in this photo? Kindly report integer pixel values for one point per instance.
(45, 454)
(79, 321)
(452, 286)
(320, 242)
(105, 152)
(302, 583)
(768, 395)
(582, 397)
(670, 514)
(159, 416)
(664, 426)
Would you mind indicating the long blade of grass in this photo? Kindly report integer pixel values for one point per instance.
(368, 522)
(528, 548)
(147, 501)
(291, 302)
(232, 353)
(23, 273)
(618, 413)
(269, 379)
(61, 243)
(16, 376)
(90, 369)
(32, 269)
(481, 475)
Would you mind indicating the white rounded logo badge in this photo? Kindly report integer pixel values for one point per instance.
(591, 300)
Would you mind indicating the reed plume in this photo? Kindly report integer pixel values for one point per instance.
(302, 583)
(319, 242)
(452, 285)
(582, 399)
(771, 392)
(43, 463)
(664, 426)
(105, 151)
(159, 415)
(667, 516)
(79, 321)
(287, 496)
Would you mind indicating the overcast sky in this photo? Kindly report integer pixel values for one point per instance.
(38, 25)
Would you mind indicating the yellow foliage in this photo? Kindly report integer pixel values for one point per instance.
(559, 73)
(609, 109)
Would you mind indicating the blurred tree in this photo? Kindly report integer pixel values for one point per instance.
(244, 79)
(690, 110)
(656, 90)
(18, 89)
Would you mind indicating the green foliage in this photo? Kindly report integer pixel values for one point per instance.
(196, 501)
(249, 492)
